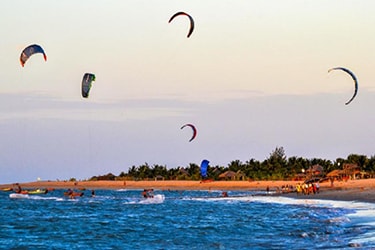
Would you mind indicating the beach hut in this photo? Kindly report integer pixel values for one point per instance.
(299, 177)
(183, 174)
(314, 171)
(364, 175)
(351, 169)
(228, 175)
(240, 175)
(159, 178)
(231, 175)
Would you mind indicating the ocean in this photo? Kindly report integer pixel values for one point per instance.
(122, 219)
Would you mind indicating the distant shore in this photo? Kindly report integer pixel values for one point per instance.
(352, 190)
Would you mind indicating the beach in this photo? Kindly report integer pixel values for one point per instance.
(351, 190)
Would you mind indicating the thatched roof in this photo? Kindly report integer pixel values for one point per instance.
(228, 174)
(316, 169)
(184, 171)
(159, 177)
(335, 173)
(350, 166)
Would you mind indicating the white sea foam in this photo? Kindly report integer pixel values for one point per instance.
(122, 190)
(360, 207)
(230, 198)
(157, 199)
(19, 196)
(33, 197)
(363, 213)
(127, 190)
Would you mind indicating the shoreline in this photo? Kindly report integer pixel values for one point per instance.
(361, 190)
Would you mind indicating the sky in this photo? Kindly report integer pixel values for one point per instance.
(253, 76)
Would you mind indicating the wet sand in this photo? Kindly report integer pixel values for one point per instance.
(352, 190)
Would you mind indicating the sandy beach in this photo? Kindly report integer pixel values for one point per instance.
(351, 190)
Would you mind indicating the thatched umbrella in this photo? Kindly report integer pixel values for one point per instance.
(335, 173)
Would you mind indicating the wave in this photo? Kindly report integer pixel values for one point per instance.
(33, 197)
(157, 199)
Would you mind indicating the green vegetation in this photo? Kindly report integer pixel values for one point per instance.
(276, 167)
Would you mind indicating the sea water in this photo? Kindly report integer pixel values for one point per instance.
(122, 219)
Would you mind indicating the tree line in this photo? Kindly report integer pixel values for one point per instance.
(276, 167)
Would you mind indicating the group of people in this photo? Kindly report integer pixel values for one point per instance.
(284, 189)
(71, 194)
(307, 188)
(300, 188)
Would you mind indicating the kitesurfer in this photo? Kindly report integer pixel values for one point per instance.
(144, 194)
(148, 193)
(18, 189)
(70, 193)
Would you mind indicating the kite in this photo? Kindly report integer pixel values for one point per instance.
(29, 51)
(354, 79)
(191, 21)
(204, 166)
(86, 84)
(193, 128)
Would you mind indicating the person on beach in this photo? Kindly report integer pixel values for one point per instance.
(298, 189)
(306, 188)
(310, 188)
(332, 179)
(314, 188)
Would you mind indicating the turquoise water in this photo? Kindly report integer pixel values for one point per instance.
(121, 219)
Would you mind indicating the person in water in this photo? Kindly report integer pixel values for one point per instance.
(144, 193)
(18, 189)
(148, 193)
(69, 192)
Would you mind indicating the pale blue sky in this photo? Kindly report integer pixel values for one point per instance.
(252, 76)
